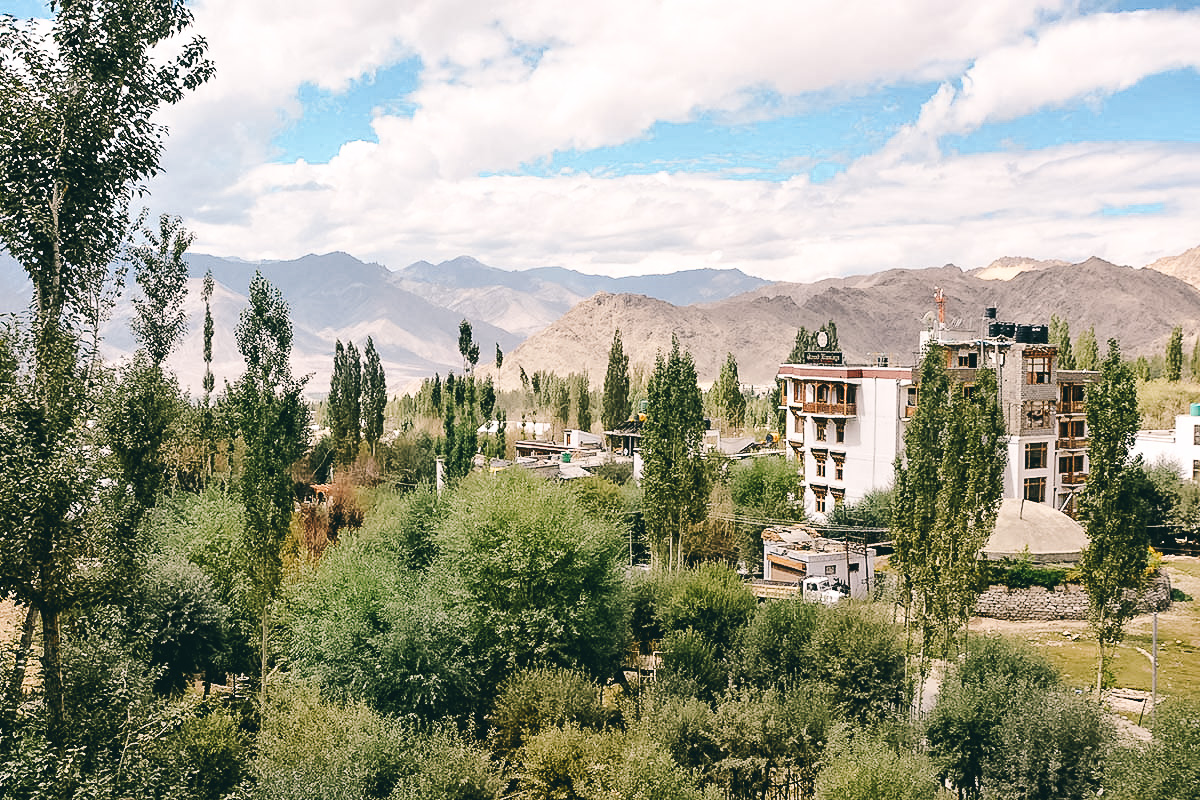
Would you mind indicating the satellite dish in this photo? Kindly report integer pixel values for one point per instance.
(822, 339)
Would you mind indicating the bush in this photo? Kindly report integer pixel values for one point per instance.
(859, 655)
(1168, 768)
(690, 667)
(773, 648)
(868, 769)
(711, 599)
(532, 700)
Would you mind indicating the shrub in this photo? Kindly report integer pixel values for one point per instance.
(532, 700)
(867, 769)
(690, 667)
(711, 599)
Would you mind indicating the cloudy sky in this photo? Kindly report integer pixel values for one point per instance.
(793, 139)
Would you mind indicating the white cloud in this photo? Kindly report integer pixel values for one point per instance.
(510, 82)
(1083, 57)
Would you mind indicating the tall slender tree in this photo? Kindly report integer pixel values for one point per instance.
(374, 395)
(1113, 566)
(1174, 357)
(273, 424)
(1060, 337)
(1087, 350)
(77, 141)
(727, 392)
(615, 407)
(675, 478)
(1194, 362)
(947, 493)
(467, 347)
(583, 402)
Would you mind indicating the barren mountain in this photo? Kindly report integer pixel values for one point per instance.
(1185, 266)
(879, 314)
(1008, 267)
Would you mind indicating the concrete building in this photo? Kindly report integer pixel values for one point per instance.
(845, 424)
(1179, 447)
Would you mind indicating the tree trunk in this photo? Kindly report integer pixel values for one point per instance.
(17, 679)
(52, 679)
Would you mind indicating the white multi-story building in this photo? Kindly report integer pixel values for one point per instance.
(846, 423)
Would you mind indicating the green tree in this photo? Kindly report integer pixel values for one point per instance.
(1060, 337)
(273, 423)
(616, 406)
(345, 401)
(1113, 565)
(803, 343)
(545, 586)
(674, 477)
(583, 402)
(159, 319)
(467, 347)
(499, 357)
(1174, 358)
(76, 111)
(207, 419)
(728, 394)
(947, 494)
(374, 395)
(1087, 350)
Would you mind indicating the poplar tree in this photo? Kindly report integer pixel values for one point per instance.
(345, 402)
(1174, 358)
(675, 479)
(616, 407)
(1060, 337)
(77, 142)
(1112, 504)
(727, 393)
(1194, 363)
(374, 395)
(1087, 350)
(272, 421)
(948, 487)
(583, 402)
(467, 347)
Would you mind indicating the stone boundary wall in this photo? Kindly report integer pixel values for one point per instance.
(1063, 602)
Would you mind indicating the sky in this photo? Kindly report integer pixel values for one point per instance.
(792, 139)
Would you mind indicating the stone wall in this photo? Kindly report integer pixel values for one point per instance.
(1063, 602)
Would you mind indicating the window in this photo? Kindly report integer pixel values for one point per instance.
(1072, 394)
(822, 425)
(839, 470)
(831, 569)
(968, 390)
(839, 497)
(820, 468)
(1071, 429)
(968, 359)
(819, 493)
(1035, 490)
(1037, 369)
(1196, 470)
(1196, 435)
(1071, 463)
(910, 401)
(1039, 414)
(853, 566)
(839, 430)
(1035, 455)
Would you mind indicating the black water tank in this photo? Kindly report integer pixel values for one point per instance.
(1041, 334)
(1024, 334)
(995, 329)
(990, 312)
(1008, 329)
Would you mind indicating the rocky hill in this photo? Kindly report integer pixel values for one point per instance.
(878, 314)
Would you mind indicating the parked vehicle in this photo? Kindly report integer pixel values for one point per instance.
(820, 589)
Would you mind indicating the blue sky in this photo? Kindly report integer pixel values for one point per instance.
(793, 141)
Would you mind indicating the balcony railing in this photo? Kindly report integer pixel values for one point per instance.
(1071, 407)
(1073, 478)
(1073, 443)
(832, 409)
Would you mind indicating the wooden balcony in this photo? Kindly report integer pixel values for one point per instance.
(1072, 443)
(1071, 407)
(1072, 478)
(831, 409)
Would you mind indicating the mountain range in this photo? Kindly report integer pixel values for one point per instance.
(556, 319)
